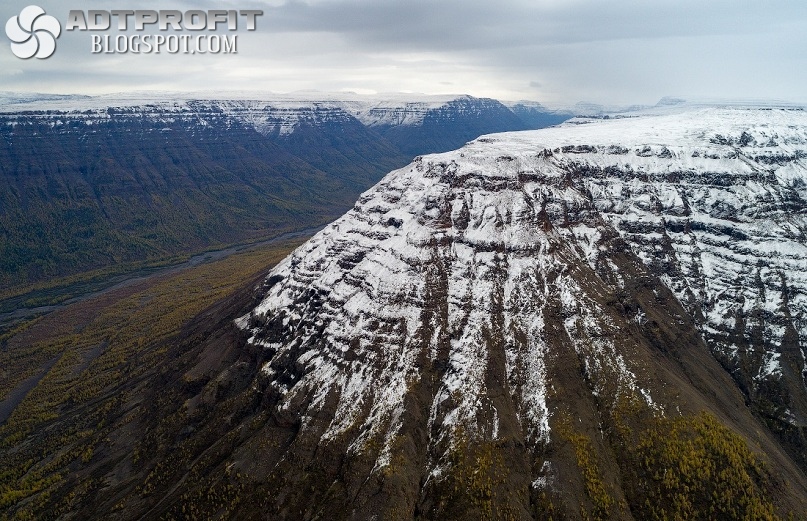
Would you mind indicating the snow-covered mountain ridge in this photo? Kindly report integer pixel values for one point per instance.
(466, 284)
(77, 154)
(268, 113)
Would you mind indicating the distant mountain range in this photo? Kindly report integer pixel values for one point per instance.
(96, 183)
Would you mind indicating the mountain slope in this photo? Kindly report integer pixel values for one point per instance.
(93, 183)
(538, 325)
(103, 193)
(535, 115)
(339, 144)
(495, 294)
(450, 125)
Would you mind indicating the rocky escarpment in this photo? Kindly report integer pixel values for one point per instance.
(542, 323)
(143, 179)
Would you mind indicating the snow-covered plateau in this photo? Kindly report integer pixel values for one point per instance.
(266, 112)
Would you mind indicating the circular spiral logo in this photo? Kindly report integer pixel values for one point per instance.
(33, 33)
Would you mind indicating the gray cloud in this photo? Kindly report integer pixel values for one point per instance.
(462, 24)
(562, 51)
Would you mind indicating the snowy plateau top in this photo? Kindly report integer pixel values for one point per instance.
(268, 112)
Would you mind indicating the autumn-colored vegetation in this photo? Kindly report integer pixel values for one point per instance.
(96, 353)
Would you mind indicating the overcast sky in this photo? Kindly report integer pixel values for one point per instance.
(554, 51)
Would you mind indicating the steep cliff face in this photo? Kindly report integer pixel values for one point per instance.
(722, 223)
(420, 129)
(508, 326)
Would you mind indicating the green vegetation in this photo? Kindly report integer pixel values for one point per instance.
(215, 498)
(59, 289)
(101, 351)
(587, 461)
(476, 483)
(672, 468)
(688, 467)
(86, 415)
(693, 467)
(91, 201)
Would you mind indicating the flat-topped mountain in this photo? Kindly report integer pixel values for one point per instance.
(98, 182)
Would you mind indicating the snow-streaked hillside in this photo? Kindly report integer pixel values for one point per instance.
(477, 274)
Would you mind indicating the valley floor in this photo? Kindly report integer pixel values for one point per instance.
(77, 363)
